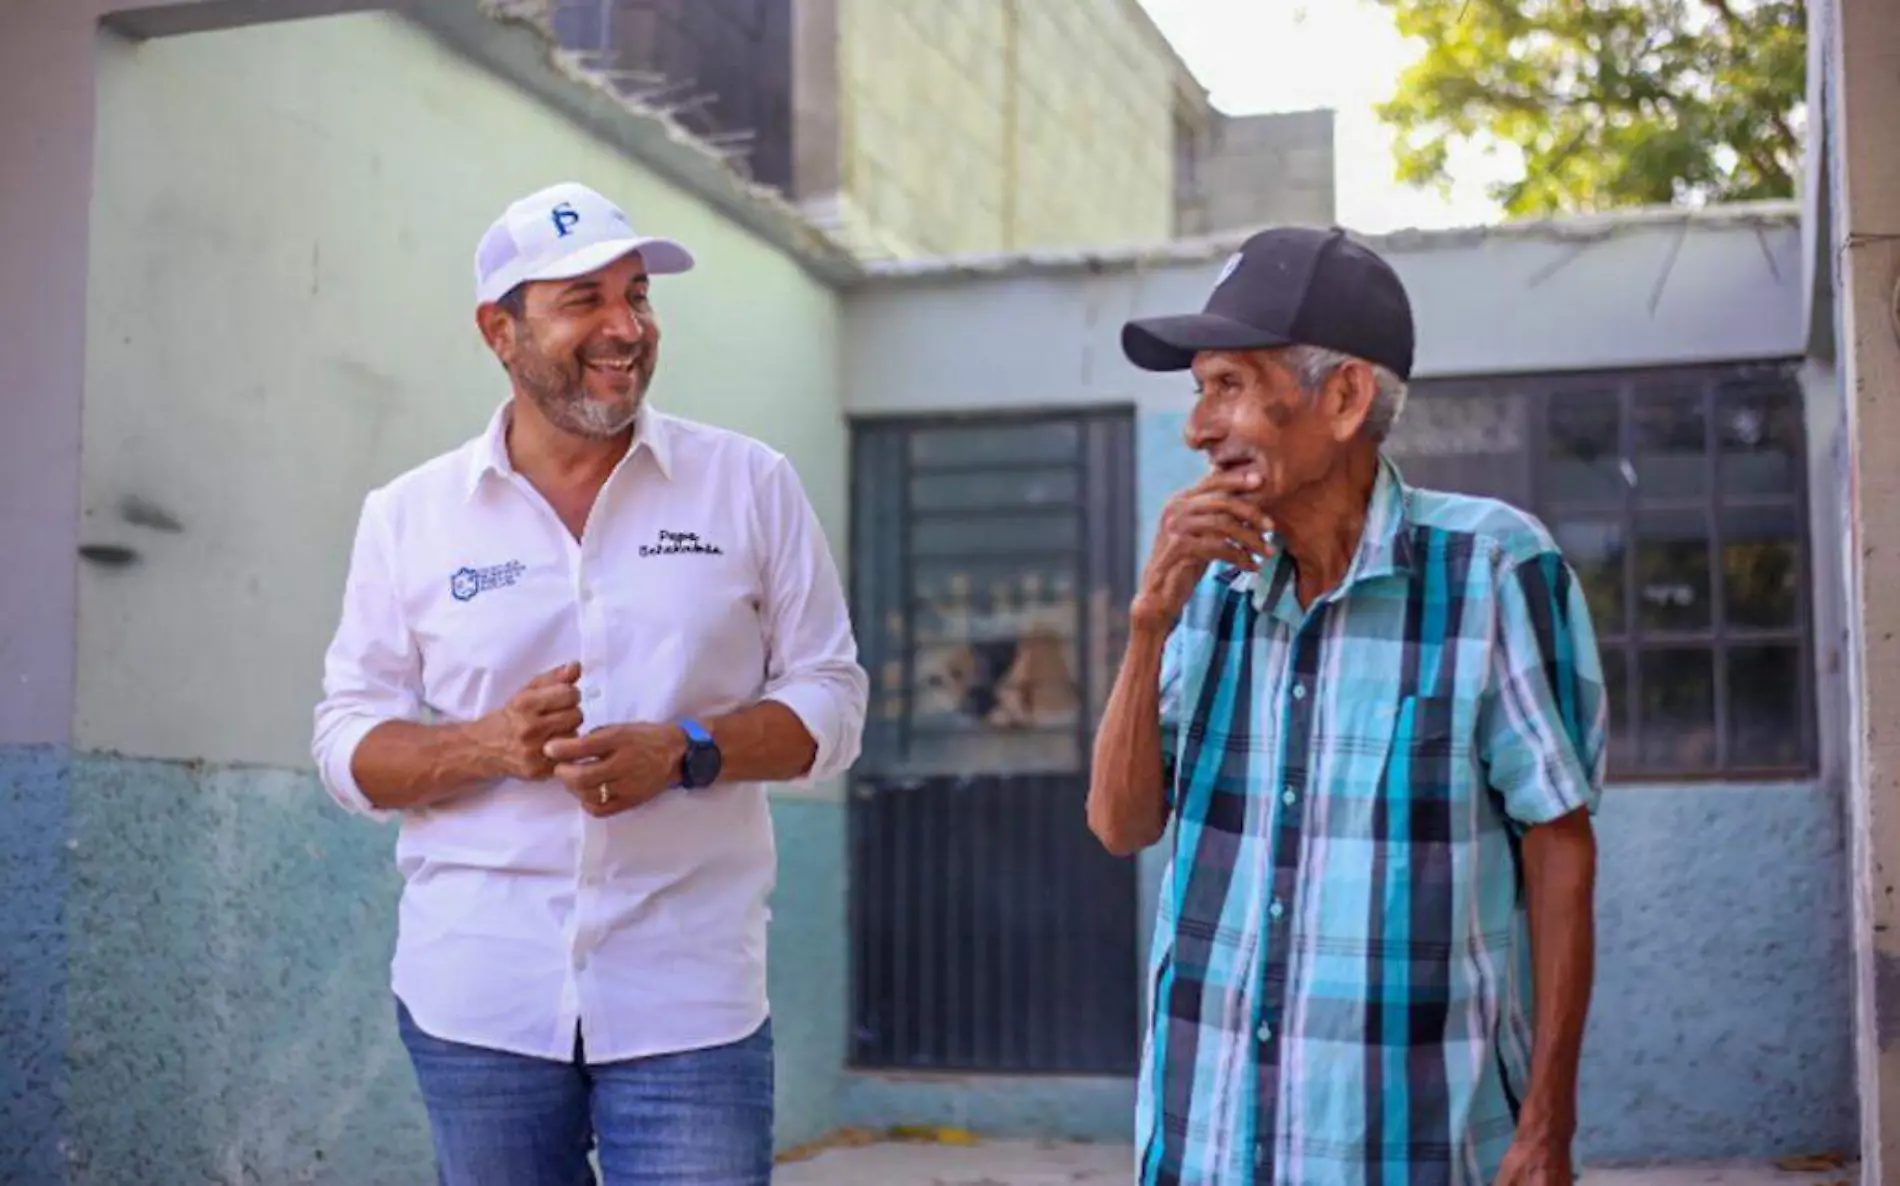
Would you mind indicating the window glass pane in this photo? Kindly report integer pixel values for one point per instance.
(1764, 707)
(1005, 488)
(1616, 688)
(964, 602)
(1585, 448)
(1469, 442)
(1676, 713)
(1000, 444)
(1595, 549)
(1761, 565)
(1759, 433)
(995, 678)
(1672, 571)
(1671, 443)
(1030, 532)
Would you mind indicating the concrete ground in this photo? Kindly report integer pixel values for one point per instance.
(1023, 1163)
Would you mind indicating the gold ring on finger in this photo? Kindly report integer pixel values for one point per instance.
(606, 794)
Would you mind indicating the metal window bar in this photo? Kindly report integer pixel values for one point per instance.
(983, 913)
(1721, 639)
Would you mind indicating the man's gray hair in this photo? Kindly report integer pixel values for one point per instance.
(1312, 366)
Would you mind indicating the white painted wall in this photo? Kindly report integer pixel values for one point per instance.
(1649, 289)
(279, 317)
(46, 135)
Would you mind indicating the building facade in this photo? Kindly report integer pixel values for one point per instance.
(207, 368)
(922, 128)
(1852, 273)
(1640, 382)
(241, 297)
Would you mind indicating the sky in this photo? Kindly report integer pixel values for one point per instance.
(1293, 55)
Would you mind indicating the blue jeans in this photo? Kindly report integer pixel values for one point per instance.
(699, 1118)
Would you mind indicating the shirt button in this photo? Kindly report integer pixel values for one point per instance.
(1288, 798)
(1299, 691)
(1274, 909)
(1265, 1031)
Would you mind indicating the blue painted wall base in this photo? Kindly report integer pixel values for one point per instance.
(1722, 1024)
(196, 978)
(34, 793)
(229, 998)
(810, 994)
(196, 984)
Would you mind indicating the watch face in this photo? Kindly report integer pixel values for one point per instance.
(702, 766)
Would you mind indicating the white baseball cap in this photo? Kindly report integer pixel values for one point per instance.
(560, 232)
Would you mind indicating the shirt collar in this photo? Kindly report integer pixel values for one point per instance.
(490, 450)
(1385, 543)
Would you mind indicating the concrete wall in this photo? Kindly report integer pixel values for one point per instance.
(1721, 1025)
(277, 316)
(1642, 290)
(1855, 59)
(1260, 170)
(987, 126)
(45, 122)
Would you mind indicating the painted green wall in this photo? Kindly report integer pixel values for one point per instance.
(280, 318)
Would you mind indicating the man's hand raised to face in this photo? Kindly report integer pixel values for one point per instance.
(515, 735)
(619, 767)
(1210, 520)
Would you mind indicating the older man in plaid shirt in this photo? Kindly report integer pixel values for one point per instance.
(1376, 717)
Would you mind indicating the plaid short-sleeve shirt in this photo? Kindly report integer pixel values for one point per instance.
(1341, 966)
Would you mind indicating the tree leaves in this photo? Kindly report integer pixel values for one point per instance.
(1611, 102)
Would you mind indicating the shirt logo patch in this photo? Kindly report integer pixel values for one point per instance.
(465, 583)
(673, 543)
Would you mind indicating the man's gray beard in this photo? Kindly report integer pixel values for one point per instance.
(562, 398)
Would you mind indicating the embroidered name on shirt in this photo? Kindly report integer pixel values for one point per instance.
(465, 583)
(674, 543)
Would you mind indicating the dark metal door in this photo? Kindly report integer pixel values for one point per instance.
(992, 566)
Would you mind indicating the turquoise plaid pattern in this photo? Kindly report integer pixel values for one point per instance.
(1341, 966)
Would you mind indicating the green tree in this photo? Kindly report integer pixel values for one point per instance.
(1611, 102)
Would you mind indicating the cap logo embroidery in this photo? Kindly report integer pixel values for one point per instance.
(565, 218)
(1227, 269)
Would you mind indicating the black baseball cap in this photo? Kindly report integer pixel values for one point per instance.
(1288, 286)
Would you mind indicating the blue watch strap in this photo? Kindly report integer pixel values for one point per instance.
(696, 732)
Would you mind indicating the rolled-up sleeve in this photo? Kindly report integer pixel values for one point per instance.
(1543, 729)
(812, 656)
(372, 672)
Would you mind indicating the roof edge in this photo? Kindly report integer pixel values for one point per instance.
(1209, 248)
(512, 39)
(1185, 82)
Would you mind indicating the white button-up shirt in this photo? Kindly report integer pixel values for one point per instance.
(701, 584)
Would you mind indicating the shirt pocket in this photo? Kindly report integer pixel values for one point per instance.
(1428, 751)
(483, 632)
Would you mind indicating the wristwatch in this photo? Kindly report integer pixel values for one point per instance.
(700, 766)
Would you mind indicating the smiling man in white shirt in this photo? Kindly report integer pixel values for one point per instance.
(572, 653)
